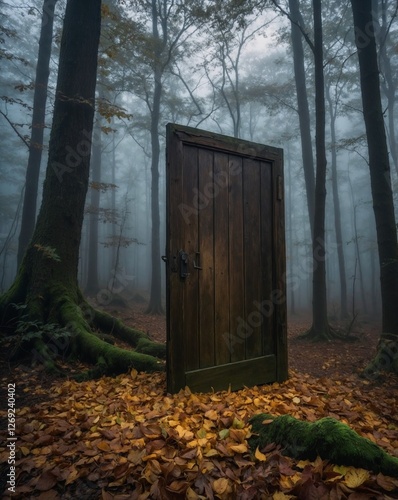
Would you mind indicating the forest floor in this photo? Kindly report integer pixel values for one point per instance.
(126, 438)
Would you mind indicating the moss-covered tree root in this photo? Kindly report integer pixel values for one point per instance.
(70, 312)
(327, 438)
(386, 359)
(107, 323)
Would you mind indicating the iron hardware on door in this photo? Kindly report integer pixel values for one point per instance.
(183, 263)
(196, 262)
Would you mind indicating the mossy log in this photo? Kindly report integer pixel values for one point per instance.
(327, 438)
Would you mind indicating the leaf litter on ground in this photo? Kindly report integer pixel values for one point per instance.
(125, 438)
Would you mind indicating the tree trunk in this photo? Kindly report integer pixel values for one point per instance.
(337, 214)
(303, 109)
(379, 165)
(389, 84)
(47, 279)
(38, 122)
(320, 327)
(92, 286)
(155, 301)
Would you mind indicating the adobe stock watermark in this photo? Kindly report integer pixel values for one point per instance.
(218, 181)
(245, 327)
(372, 30)
(74, 157)
(116, 284)
(386, 359)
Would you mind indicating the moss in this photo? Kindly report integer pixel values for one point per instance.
(113, 326)
(117, 360)
(135, 338)
(327, 437)
(146, 346)
(67, 308)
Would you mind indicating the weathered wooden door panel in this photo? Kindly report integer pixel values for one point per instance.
(226, 311)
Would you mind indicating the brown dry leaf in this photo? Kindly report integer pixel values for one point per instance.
(103, 446)
(386, 482)
(46, 481)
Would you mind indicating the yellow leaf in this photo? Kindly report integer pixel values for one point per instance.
(356, 477)
(211, 453)
(220, 485)
(302, 463)
(296, 400)
(238, 448)
(191, 495)
(280, 496)
(285, 482)
(211, 415)
(260, 456)
(340, 469)
(25, 451)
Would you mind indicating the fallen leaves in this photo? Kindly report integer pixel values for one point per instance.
(125, 438)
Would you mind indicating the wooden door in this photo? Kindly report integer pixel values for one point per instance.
(225, 260)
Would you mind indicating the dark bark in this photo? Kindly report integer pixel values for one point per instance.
(38, 123)
(155, 301)
(320, 327)
(47, 279)
(389, 82)
(337, 214)
(92, 286)
(379, 165)
(303, 108)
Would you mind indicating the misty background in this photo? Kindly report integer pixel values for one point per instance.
(233, 76)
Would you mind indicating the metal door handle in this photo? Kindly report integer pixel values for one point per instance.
(196, 262)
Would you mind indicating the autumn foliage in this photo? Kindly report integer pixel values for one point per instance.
(125, 438)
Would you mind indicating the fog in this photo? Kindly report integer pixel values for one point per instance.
(241, 84)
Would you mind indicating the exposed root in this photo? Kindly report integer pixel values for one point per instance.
(386, 359)
(327, 334)
(60, 311)
(327, 438)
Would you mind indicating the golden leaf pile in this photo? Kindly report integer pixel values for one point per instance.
(124, 438)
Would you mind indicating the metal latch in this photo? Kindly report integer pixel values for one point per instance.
(183, 263)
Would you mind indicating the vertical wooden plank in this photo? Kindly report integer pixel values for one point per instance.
(236, 262)
(221, 255)
(267, 255)
(280, 320)
(205, 204)
(190, 245)
(252, 257)
(175, 237)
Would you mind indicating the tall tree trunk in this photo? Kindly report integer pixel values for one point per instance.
(92, 286)
(292, 308)
(389, 83)
(155, 301)
(336, 207)
(38, 122)
(320, 328)
(379, 165)
(303, 108)
(47, 278)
